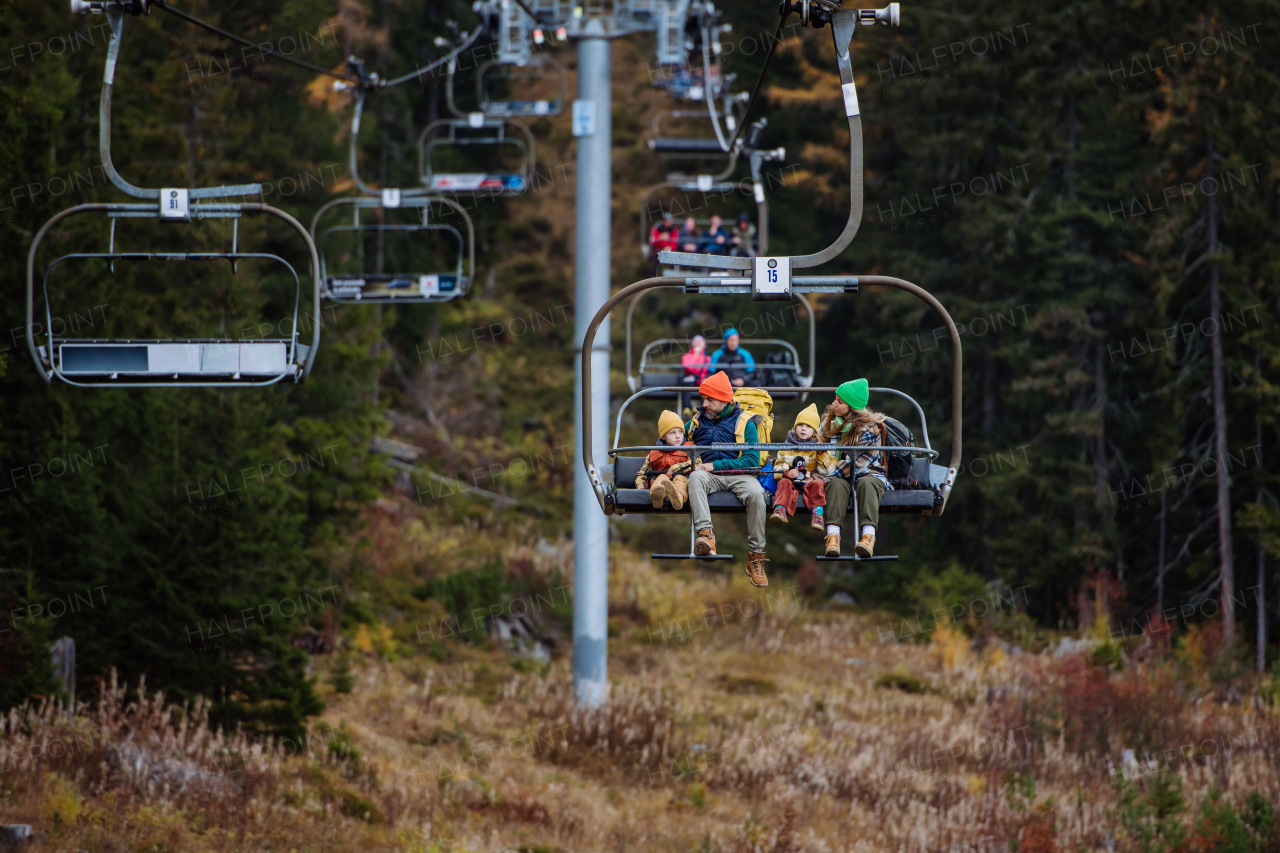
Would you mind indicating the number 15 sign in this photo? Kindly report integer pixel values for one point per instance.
(772, 278)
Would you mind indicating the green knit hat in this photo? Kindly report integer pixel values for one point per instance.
(854, 393)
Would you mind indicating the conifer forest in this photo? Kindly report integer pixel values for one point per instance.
(291, 552)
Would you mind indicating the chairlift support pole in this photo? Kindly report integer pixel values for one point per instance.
(592, 280)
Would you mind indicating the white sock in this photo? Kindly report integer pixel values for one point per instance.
(833, 528)
(867, 528)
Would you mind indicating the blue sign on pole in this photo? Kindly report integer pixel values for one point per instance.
(584, 118)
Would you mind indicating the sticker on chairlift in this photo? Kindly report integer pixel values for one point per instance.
(475, 119)
(471, 182)
(704, 183)
(758, 189)
(429, 285)
(541, 108)
(391, 198)
(584, 118)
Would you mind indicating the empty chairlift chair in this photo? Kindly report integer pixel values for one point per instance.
(155, 362)
(537, 68)
(420, 278)
(473, 134)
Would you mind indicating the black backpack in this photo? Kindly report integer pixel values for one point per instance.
(899, 463)
(779, 371)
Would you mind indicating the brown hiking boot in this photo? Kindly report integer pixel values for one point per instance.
(755, 568)
(705, 544)
(779, 515)
(816, 522)
(866, 545)
(833, 544)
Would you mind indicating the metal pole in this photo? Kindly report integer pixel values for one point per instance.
(590, 526)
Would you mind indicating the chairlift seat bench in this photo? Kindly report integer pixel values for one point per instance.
(205, 359)
(899, 501)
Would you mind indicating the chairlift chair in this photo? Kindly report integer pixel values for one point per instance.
(152, 363)
(417, 286)
(707, 185)
(474, 130)
(768, 278)
(512, 108)
(659, 378)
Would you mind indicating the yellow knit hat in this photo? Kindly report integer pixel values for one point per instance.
(809, 417)
(669, 420)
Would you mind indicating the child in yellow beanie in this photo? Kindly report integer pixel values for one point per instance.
(802, 472)
(665, 472)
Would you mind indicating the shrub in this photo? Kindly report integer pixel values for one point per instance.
(904, 682)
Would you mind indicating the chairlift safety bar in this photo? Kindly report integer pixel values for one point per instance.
(686, 389)
(416, 201)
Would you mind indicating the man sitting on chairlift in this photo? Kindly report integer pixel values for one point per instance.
(736, 362)
(720, 420)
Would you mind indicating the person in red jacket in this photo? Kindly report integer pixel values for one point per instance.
(662, 238)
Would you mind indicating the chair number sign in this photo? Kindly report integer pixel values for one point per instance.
(174, 205)
(772, 276)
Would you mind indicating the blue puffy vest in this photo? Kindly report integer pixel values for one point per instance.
(718, 431)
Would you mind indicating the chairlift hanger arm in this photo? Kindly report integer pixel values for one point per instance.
(115, 19)
(843, 22)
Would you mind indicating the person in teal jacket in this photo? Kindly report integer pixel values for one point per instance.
(736, 362)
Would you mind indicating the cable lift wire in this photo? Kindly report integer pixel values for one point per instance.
(346, 78)
(768, 60)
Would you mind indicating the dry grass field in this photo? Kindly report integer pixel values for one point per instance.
(738, 721)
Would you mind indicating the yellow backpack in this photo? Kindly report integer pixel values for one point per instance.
(754, 401)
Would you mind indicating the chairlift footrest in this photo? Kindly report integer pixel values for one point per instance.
(708, 558)
(843, 559)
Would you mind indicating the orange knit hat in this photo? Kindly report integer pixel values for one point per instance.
(717, 387)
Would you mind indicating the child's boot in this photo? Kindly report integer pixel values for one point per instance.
(658, 491)
(816, 522)
(678, 491)
(779, 515)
